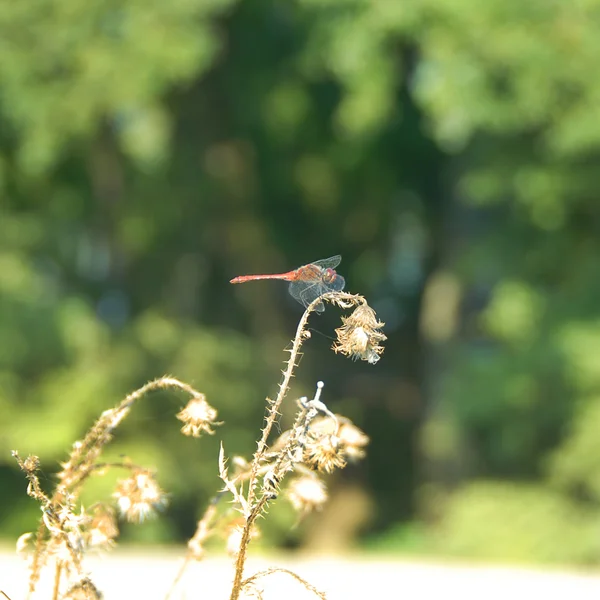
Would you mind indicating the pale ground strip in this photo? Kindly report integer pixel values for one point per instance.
(128, 576)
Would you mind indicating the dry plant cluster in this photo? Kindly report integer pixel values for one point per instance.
(317, 443)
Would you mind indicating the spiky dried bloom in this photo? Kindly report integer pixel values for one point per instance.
(307, 494)
(352, 439)
(67, 528)
(324, 452)
(103, 529)
(83, 590)
(360, 335)
(139, 497)
(197, 416)
(31, 464)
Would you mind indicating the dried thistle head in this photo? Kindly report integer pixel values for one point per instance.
(198, 416)
(307, 493)
(67, 530)
(360, 335)
(31, 464)
(352, 439)
(103, 529)
(324, 452)
(83, 590)
(139, 496)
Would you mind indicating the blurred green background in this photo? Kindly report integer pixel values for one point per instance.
(448, 149)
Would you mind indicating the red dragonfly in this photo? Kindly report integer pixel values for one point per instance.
(309, 282)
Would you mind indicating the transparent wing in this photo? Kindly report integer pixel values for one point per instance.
(337, 285)
(307, 292)
(328, 263)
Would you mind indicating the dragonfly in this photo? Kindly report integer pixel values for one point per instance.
(309, 282)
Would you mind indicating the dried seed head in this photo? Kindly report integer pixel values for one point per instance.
(360, 335)
(307, 493)
(83, 590)
(353, 439)
(139, 497)
(103, 527)
(66, 529)
(31, 464)
(324, 452)
(197, 416)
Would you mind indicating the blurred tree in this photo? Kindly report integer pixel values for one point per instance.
(448, 149)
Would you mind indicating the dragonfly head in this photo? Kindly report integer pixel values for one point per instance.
(329, 276)
(335, 281)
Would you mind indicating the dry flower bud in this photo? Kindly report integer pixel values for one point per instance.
(31, 464)
(103, 527)
(353, 439)
(324, 453)
(360, 335)
(307, 494)
(83, 590)
(139, 497)
(197, 416)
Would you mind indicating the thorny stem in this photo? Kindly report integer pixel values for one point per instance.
(270, 419)
(99, 434)
(273, 407)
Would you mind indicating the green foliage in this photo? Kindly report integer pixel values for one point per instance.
(152, 150)
(517, 523)
(69, 66)
(575, 464)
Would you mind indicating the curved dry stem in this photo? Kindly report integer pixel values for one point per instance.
(272, 570)
(82, 463)
(57, 575)
(204, 530)
(85, 452)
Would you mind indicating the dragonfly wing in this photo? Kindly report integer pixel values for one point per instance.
(306, 292)
(309, 296)
(328, 263)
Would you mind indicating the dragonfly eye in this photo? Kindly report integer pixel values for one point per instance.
(329, 275)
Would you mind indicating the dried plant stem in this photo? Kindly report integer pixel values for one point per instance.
(203, 531)
(273, 407)
(57, 575)
(184, 565)
(267, 572)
